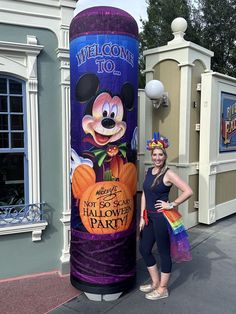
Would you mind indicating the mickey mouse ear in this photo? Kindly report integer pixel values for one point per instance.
(86, 87)
(127, 95)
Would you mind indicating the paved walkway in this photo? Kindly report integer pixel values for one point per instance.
(206, 285)
(35, 294)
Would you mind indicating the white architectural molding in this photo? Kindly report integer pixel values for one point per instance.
(225, 209)
(35, 228)
(184, 115)
(223, 166)
(141, 137)
(180, 52)
(65, 256)
(148, 71)
(54, 15)
(64, 36)
(147, 123)
(33, 142)
(212, 215)
(192, 167)
(211, 161)
(20, 60)
(63, 57)
(186, 64)
(223, 78)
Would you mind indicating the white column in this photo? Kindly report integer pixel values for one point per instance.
(33, 142)
(63, 56)
(66, 9)
(184, 128)
(184, 115)
(207, 173)
(32, 124)
(66, 214)
(148, 123)
(141, 137)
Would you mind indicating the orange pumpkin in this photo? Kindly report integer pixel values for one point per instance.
(106, 207)
(83, 177)
(116, 166)
(128, 176)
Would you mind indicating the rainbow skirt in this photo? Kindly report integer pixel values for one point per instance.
(179, 242)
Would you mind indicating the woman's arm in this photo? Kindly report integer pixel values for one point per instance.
(187, 192)
(143, 206)
(172, 178)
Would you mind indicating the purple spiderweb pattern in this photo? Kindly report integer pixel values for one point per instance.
(104, 261)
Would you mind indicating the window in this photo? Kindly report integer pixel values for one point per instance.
(21, 208)
(13, 149)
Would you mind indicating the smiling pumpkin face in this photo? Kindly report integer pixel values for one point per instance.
(105, 124)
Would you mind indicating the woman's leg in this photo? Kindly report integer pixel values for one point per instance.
(163, 283)
(147, 240)
(153, 272)
(163, 244)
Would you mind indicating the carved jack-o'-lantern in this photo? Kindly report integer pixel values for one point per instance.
(106, 207)
(112, 150)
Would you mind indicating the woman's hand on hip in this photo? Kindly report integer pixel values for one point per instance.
(160, 205)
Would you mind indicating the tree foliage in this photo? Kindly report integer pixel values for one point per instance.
(156, 30)
(218, 33)
(211, 24)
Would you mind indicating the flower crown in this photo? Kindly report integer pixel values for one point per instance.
(157, 142)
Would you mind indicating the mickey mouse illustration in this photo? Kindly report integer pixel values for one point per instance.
(104, 114)
(107, 159)
(104, 123)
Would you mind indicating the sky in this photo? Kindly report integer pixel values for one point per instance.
(137, 8)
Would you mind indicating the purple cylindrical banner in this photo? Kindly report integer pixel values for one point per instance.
(104, 84)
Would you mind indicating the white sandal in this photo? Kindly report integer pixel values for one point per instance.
(155, 295)
(146, 288)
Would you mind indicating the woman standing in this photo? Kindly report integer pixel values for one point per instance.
(155, 222)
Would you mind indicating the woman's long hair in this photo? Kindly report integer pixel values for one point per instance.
(163, 169)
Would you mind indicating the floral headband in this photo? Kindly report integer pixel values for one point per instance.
(157, 142)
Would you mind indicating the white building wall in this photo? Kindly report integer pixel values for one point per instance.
(53, 15)
(211, 161)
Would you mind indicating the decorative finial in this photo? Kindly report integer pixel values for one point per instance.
(178, 26)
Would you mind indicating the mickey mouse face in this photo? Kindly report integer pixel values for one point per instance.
(105, 124)
(104, 113)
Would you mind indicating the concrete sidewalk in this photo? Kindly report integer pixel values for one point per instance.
(206, 285)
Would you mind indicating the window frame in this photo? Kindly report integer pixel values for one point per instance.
(24, 149)
(19, 61)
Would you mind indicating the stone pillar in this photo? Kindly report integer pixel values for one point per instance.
(182, 54)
